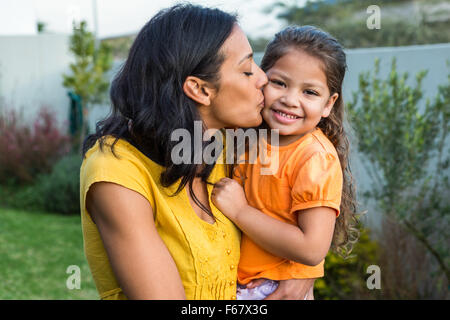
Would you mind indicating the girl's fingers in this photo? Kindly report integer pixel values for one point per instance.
(219, 184)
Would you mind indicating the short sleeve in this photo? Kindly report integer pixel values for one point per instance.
(318, 183)
(126, 170)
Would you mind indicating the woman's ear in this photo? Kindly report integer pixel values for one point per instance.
(198, 90)
(329, 106)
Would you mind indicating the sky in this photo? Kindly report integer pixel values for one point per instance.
(119, 17)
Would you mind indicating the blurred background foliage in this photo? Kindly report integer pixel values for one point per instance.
(403, 22)
(346, 278)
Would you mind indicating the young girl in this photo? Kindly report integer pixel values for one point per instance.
(289, 219)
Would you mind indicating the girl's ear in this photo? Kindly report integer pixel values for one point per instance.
(329, 106)
(198, 90)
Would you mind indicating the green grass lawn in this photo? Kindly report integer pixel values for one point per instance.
(35, 251)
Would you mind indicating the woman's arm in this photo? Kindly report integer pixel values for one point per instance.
(139, 258)
(307, 243)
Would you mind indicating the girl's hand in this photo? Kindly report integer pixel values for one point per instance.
(229, 197)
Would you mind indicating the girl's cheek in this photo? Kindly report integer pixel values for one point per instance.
(269, 96)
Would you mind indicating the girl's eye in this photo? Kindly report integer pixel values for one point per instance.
(248, 74)
(278, 83)
(311, 92)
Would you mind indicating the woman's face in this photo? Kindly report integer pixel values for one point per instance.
(239, 99)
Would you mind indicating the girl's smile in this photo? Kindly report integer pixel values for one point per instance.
(285, 117)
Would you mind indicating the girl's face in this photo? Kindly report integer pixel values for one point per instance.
(297, 95)
(239, 99)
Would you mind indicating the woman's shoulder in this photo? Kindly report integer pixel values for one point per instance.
(108, 145)
(117, 158)
(117, 161)
(117, 151)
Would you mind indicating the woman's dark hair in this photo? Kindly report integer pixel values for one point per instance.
(148, 101)
(323, 46)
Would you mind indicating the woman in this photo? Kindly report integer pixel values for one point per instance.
(150, 230)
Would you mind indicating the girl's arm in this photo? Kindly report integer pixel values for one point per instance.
(307, 243)
(139, 258)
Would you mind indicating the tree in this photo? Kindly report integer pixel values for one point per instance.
(405, 153)
(41, 26)
(88, 77)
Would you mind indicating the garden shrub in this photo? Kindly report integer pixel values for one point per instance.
(56, 192)
(403, 142)
(346, 278)
(27, 151)
(59, 191)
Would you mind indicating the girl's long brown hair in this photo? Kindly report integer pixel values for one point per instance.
(321, 45)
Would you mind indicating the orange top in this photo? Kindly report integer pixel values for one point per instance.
(308, 175)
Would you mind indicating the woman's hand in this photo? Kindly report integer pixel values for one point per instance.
(293, 289)
(229, 197)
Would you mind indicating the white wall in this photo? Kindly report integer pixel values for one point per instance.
(411, 59)
(31, 69)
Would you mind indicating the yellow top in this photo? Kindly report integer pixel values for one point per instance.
(205, 254)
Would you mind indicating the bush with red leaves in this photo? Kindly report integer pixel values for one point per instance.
(28, 150)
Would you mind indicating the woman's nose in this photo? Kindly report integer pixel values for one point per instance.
(262, 78)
